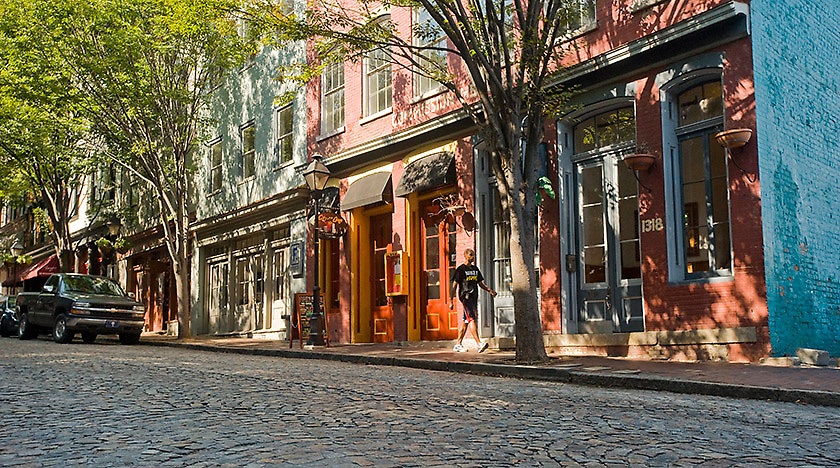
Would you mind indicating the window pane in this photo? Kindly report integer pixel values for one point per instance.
(595, 265)
(585, 136)
(700, 103)
(605, 129)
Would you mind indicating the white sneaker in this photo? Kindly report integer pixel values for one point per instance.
(459, 348)
(482, 347)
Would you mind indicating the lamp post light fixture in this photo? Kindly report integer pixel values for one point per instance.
(316, 175)
(17, 250)
(114, 226)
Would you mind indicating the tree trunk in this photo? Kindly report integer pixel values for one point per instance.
(530, 346)
(182, 285)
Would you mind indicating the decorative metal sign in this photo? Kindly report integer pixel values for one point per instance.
(331, 225)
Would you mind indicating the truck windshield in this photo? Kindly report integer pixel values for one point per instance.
(87, 284)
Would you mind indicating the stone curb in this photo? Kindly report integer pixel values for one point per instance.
(577, 377)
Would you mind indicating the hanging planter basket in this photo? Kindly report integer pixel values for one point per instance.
(735, 138)
(639, 161)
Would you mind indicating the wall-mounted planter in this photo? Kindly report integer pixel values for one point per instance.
(639, 161)
(735, 138)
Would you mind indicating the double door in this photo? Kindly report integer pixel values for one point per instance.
(606, 265)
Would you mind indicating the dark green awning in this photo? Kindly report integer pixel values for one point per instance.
(370, 189)
(428, 172)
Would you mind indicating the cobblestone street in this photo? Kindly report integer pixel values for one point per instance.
(111, 405)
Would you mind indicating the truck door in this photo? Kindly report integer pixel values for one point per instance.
(45, 303)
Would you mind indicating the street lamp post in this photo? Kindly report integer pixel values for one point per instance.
(17, 250)
(316, 176)
(114, 225)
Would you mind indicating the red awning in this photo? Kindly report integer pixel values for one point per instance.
(44, 267)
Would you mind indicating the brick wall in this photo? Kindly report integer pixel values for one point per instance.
(796, 51)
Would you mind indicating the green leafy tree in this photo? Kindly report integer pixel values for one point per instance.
(44, 139)
(144, 69)
(510, 54)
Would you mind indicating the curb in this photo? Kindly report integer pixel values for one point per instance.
(575, 377)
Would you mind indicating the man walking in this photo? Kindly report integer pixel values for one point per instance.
(467, 280)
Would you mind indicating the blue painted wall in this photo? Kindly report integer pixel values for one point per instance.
(796, 53)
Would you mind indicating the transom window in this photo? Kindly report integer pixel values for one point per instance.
(704, 183)
(332, 104)
(606, 129)
(285, 140)
(248, 152)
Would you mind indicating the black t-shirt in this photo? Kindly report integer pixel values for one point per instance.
(468, 277)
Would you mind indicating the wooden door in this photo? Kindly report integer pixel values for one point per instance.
(438, 257)
(382, 315)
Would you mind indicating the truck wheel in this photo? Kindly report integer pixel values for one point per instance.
(4, 327)
(25, 330)
(129, 338)
(60, 332)
(88, 337)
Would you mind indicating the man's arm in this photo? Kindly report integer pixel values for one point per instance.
(484, 286)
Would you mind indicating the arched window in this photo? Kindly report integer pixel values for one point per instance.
(703, 186)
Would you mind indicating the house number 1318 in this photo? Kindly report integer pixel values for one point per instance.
(655, 224)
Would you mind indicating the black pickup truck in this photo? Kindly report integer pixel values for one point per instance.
(70, 303)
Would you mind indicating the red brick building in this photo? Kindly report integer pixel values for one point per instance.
(665, 260)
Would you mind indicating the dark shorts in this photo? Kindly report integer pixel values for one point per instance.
(470, 309)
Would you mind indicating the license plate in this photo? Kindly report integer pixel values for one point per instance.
(112, 324)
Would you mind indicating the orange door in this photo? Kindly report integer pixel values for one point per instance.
(382, 315)
(438, 322)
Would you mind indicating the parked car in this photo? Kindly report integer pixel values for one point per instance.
(70, 303)
(8, 316)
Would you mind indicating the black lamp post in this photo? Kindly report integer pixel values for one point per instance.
(17, 250)
(114, 225)
(316, 176)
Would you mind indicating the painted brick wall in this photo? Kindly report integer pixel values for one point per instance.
(796, 51)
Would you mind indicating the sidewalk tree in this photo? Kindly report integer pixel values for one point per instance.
(510, 52)
(44, 148)
(145, 69)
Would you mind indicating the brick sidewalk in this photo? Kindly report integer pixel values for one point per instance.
(806, 384)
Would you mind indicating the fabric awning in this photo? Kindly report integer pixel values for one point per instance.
(44, 267)
(428, 172)
(370, 189)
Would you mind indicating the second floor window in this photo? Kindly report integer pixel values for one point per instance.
(216, 166)
(579, 14)
(378, 81)
(285, 141)
(428, 34)
(248, 153)
(332, 103)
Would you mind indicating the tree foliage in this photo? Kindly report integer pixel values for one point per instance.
(44, 138)
(143, 71)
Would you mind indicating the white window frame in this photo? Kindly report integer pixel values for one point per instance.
(284, 134)
(423, 85)
(377, 65)
(248, 150)
(214, 172)
(332, 98)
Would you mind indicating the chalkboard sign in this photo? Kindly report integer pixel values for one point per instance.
(303, 316)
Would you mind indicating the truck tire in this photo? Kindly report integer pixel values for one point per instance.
(25, 330)
(4, 328)
(88, 337)
(60, 332)
(129, 338)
